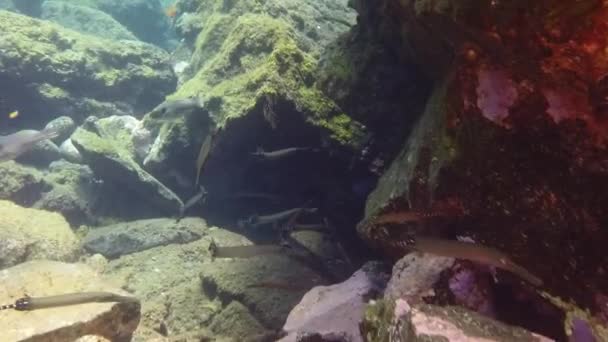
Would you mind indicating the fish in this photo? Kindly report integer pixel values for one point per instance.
(13, 114)
(474, 252)
(256, 220)
(171, 109)
(205, 152)
(248, 251)
(171, 11)
(13, 145)
(282, 153)
(198, 197)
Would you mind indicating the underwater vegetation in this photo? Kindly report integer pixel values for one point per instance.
(290, 170)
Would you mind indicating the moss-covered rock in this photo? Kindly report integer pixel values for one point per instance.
(85, 20)
(27, 234)
(73, 193)
(110, 154)
(20, 184)
(245, 57)
(48, 69)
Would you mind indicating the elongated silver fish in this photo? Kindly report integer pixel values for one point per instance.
(474, 252)
(256, 220)
(171, 109)
(282, 153)
(13, 145)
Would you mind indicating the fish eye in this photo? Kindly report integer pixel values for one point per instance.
(163, 110)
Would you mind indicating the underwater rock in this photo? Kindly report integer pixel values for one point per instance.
(336, 310)
(237, 319)
(64, 126)
(169, 278)
(41, 155)
(40, 278)
(27, 234)
(72, 192)
(268, 285)
(402, 321)
(48, 69)
(110, 157)
(20, 184)
(85, 20)
(509, 151)
(69, 152)
(414, 276)
(135, 236)
(145, 18)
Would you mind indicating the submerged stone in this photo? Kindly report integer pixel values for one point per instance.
(40, 278)
(48, 69)
(135, 236)
(27, 234)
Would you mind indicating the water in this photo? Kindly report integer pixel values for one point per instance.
(211, 164)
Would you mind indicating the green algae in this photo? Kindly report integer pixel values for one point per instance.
(260, 57)
(60, 62)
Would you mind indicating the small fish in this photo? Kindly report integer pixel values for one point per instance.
(249, 251)
(199, 197)
(205, 152)
(256, 220)
(282, 153)
(13, 114)
(171, 11)
(172, 109)
(474, 252)
(13, 145)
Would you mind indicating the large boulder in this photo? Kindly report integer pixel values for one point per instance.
(256, 73)
(336, 310)
(85, 19)
(112, 321)
(135, 236)
(27, 234)
(73, 192)
(48, 69)
(511, 148)
(185, 291)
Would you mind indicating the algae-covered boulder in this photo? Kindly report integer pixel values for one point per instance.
(20, 184)
(41, 278)
(73, 192)
(255, 61)
(48, 69)
(135, 236)
(256, 73)
(27, 234)
(110, 154)
(185, 291)
(85, 20)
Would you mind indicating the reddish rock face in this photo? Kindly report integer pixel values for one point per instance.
(517, 133)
